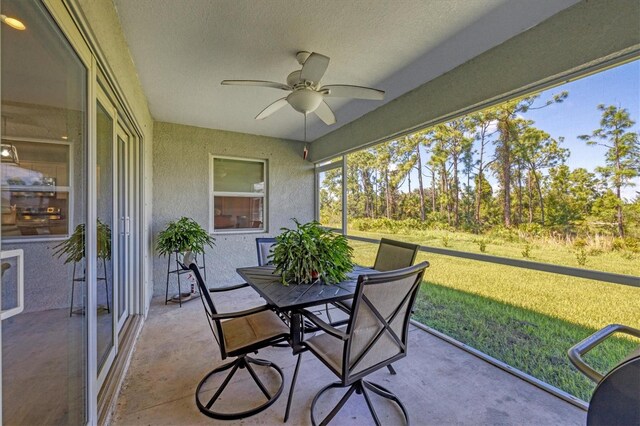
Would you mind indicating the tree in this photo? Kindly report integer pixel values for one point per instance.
(417, 140)
(570, 196)
(483, 122)
(361, 184)
(509, 126)
(623, 152)
(538, 151)
(331, 198)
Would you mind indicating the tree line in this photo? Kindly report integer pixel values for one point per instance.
(443, 175)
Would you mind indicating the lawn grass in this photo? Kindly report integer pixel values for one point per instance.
(525, 318)
(545, 250)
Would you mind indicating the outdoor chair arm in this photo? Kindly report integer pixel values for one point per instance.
(238, 314)
(342, 307)
(576, 352)
(327, 328)
(227, 288)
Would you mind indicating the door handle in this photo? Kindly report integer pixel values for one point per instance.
(19, 254)
(127, 225)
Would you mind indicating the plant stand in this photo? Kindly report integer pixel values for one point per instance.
(82, 278)
(182, 297)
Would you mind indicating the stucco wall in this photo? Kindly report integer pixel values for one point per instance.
(181, 188)
(570, 41)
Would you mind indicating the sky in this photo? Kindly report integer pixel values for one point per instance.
(578, 114)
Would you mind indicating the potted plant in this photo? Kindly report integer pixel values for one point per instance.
(74, 249)
(309, 251)
(182, 236)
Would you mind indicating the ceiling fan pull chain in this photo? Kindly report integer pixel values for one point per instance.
(305, 151)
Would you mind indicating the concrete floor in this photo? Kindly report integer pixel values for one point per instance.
(439, 383)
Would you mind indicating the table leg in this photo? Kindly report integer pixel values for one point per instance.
(296, 332)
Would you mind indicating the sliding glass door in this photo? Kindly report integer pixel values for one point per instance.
(124, 232)
(69, 199)
(44, 293)
(114, 237)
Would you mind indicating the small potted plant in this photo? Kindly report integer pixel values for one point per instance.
(309, 252)
(182, 236)
(74, 249)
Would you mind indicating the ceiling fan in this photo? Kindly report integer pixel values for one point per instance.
(306, 93)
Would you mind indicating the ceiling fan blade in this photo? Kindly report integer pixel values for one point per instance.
(272, 108)
(314, 67)
(259, 83)
(356, 92)
(324, 112)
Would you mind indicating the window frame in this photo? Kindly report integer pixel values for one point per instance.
(263, 195)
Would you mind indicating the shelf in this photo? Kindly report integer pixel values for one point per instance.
(184, 298)
(186, 295)
(35, 188)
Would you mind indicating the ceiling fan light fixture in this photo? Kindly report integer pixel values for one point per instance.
(304, 100)
(307, 95)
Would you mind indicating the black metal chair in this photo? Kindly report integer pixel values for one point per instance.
(616, 399)
(375, 336)
(391, 255)
(238, 334)
(264, 248)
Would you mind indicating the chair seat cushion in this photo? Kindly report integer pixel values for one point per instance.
(252, 329)
(328, 348)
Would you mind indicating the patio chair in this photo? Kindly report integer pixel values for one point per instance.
(375, 336)
(616, 399)
(238, 334)
(264, 247)
(391, 255)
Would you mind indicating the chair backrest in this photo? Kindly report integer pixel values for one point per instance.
(379, 322)
(265, 247)
(394, 255)
(207, 303)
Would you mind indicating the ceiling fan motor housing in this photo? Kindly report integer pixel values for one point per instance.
(305, 100)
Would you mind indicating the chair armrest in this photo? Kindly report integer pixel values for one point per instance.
(238, 314)
(341, 307)
(227, 288)
(576, 352)
(324, 326)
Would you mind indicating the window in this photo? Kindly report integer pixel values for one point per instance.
(36, 189)
(238, 193)
(330, 190)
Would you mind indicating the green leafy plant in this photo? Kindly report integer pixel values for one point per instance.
(482, 244)
(310, 251)
(580, 246)
(526, 252)
(74, 249)
(446, 240)
(183, 235)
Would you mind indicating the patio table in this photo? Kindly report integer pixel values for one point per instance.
(290, 299)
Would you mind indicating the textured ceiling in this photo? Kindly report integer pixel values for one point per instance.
(183, 49)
